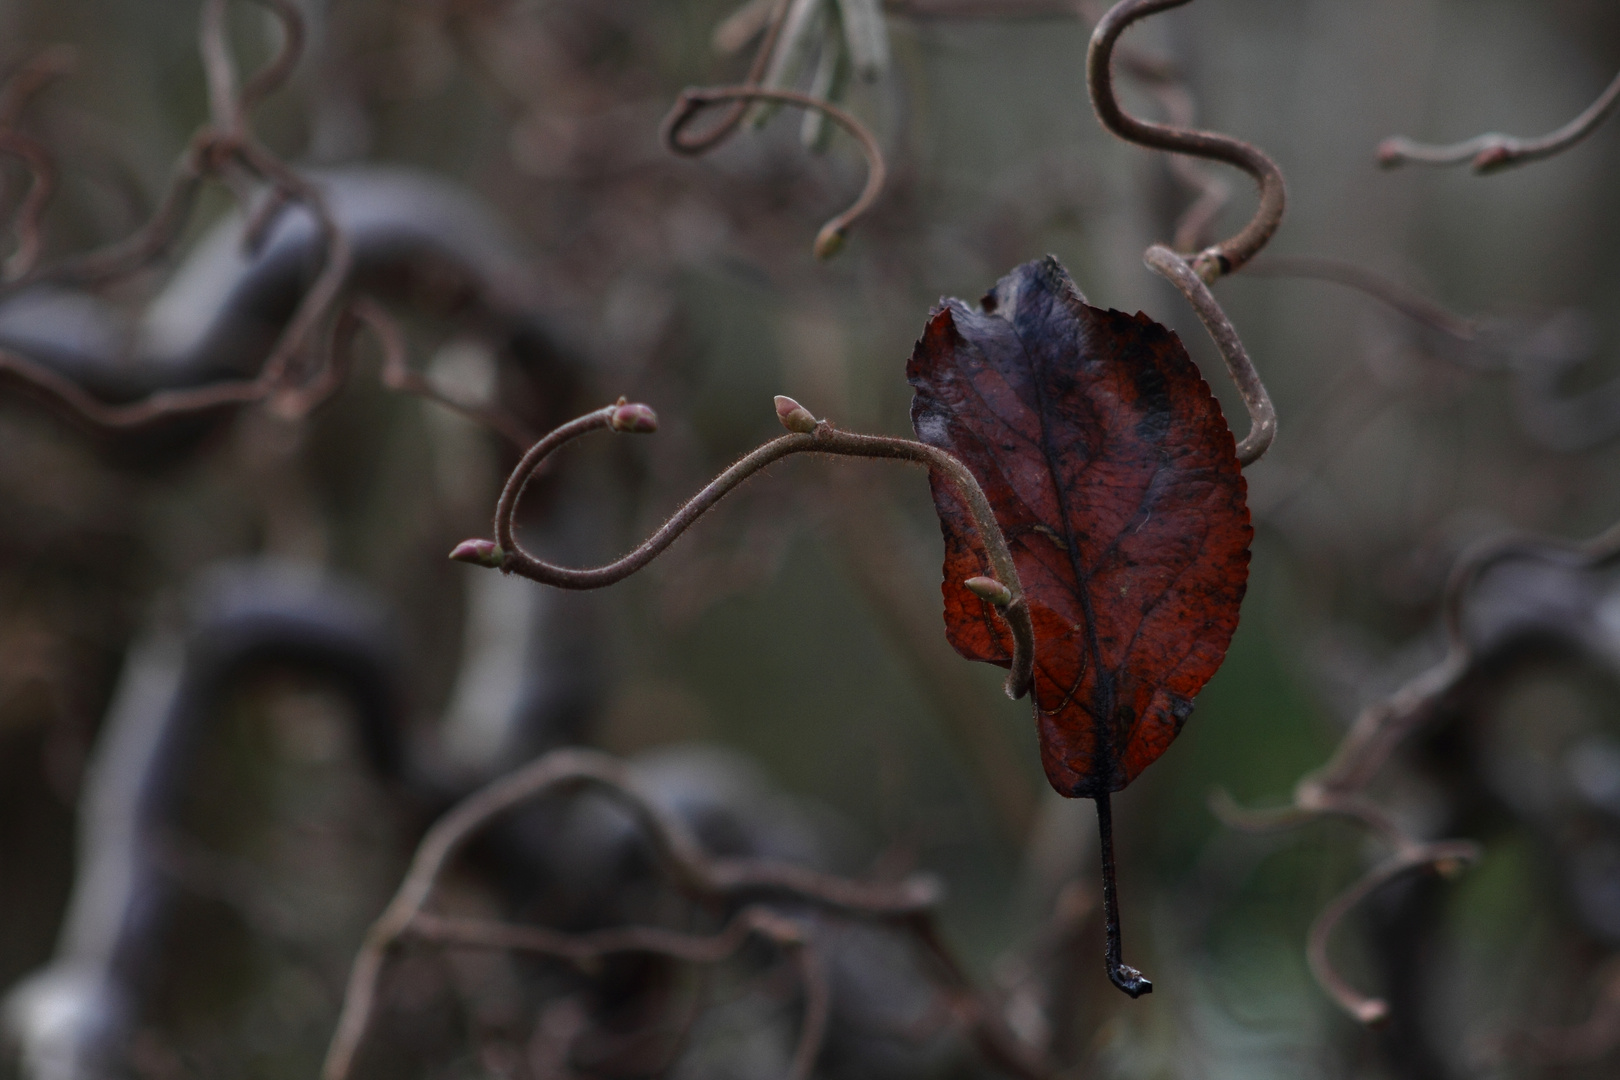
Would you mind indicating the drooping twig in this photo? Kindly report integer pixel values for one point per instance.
(807, 435)
(1262, 414)
(1446, 857)
(1493, 152)
(830, 239)
(1338, 787)
(1228, 255)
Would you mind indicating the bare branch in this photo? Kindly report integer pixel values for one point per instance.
(809, 436)
(1337, 788)
(1228, 255)
(1493, 152)
(1262, 414)
(691, 102)
(1447, 858)
(690, 870)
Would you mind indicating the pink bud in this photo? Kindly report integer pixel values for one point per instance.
(634, 418)
(987, 588)
(794, 417)
(1492, 158)
(479, 553)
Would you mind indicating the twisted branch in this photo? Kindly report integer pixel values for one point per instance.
(830, 239)
(1493, 152)
(807, 435)
(1226, 256)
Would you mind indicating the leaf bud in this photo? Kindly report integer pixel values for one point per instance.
(794, 417)
(633, 418)
(829, 242)
(988, 588)
(479, 553)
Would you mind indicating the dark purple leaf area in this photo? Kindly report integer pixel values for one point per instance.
(1114, 477)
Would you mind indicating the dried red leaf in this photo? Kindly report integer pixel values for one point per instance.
(1114, 477)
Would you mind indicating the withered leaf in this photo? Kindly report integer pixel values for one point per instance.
(1113, 475)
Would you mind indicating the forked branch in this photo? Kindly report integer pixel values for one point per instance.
(1339, 787)
(907, 905)
(807, 435)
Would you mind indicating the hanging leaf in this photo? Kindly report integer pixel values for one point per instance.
(1113, 475)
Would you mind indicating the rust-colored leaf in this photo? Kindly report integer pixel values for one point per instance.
(1113, 475)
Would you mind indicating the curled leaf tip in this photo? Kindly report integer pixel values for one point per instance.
(633, 418)
(829, 242)
(988, 588)
(479, 553)
(795, 417)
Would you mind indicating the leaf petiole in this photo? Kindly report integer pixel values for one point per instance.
(1121, 974)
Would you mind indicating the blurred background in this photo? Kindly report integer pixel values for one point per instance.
(265, 595)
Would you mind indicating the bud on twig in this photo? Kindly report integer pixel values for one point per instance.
(794, 417)
(988, 588)
(633, 418)
(480, 553)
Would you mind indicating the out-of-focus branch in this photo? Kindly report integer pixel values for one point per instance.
(1493, 152)
(807, 435)
(693, 101)
(1338, 788)
(1408, 301)
(41, 185)
(690, 869)
(1226, 256)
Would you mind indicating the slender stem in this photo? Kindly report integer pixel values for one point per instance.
(1121, 974)
(822, 439)
(1262, 414)
(1493, 152)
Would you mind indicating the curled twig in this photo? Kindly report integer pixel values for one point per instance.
(1494, 152)
(228, 106)
(1446, 857)
(1228, 255)
(1262, 414)
(808, 435)
(691, 102)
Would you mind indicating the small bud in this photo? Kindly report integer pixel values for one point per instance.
(479, 553)
(794, 417)
(1449, 868)
(988, 588)
(633, 419)
(1372, 1013)
(1492, 158)
(1389, 153)
(829, 242)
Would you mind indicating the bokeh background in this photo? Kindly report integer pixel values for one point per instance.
(797, 624)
